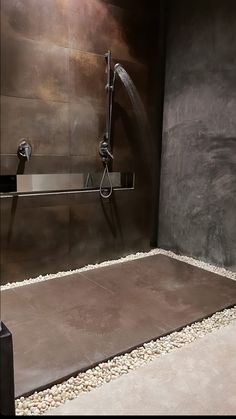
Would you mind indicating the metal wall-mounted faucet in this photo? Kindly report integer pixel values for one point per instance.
(104, 150)
(24, 149)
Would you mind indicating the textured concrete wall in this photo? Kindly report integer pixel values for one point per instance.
(198, 178)
(53, 93)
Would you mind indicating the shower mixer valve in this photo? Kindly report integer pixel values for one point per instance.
(104, 150)
(24, 149)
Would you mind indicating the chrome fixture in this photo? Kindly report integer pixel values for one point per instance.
(24, 149)
(104, 150)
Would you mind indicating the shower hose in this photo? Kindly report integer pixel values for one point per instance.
(106, 191)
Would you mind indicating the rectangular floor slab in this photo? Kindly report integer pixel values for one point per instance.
(68, 324)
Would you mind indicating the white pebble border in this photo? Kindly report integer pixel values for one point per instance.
(195, 262)
(42, 401)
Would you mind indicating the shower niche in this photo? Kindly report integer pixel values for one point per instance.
(63, 183)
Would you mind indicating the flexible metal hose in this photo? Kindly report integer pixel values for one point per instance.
(103, 188)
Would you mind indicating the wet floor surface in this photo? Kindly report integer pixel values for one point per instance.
(65, 325)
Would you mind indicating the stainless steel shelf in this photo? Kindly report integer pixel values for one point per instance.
(44, 184)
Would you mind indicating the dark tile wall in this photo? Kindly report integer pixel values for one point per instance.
(53, 93)
(198, 180)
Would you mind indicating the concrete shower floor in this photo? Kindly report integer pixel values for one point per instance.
(65, 325)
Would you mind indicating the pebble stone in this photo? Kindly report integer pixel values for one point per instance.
(42, 401)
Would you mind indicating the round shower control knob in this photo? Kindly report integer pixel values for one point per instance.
(104, 150)
(24, 149)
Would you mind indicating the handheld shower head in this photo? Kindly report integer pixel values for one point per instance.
(116, 66)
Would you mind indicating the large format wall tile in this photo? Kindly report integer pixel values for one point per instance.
(85, 164)
(11, 164)
(33, 69)
(22, 239)
(95, 17)
(44, 20)
(87, 77)
(124, 140)
(117, 229)
(15, 270)
(34, 201)
(87, 126)
(127, 33)
(53, 86)
(44, 123)
(93, 237)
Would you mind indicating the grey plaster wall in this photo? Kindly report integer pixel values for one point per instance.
(198, 178)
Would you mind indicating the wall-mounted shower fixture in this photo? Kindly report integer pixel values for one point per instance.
(104, 150)
(105, 144)
(24, 150)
